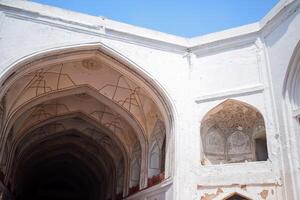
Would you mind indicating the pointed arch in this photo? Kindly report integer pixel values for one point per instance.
(233, 132)
(237, 194)
(291, 85)
(30, 80)
(291, 111)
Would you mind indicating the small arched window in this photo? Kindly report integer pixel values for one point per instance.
(233, 132)
(236, 197)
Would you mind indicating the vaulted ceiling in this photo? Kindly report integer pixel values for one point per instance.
(77, 118)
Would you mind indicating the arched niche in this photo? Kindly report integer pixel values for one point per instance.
(35, 91)
(233, 132)
(135, 164)
(156, 150)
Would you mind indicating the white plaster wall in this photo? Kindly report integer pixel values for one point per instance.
(280, 44)
(31, 36)
(228, 69)
(22, 36)
(234, 73)
(196, 83)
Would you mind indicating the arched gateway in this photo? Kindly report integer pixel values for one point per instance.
(82, 123)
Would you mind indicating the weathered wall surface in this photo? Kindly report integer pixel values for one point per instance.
(280, 43)
(231, 73)
(248, 66)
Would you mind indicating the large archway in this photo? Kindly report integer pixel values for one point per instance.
(82, 124)
(291, 111)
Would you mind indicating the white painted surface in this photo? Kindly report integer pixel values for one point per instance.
(248, 63)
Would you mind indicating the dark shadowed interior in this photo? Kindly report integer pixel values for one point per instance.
(59, 168)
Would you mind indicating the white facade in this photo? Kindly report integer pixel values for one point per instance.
(257, 64)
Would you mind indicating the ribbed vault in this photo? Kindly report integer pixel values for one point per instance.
(79, 126)
(63, 166)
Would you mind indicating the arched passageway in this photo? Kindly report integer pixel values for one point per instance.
(59, 168)
(81, 125)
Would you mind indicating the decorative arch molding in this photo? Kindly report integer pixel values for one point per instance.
(291, 85)
(291, 111)
(36, 62)
(64, 75)
(90, 129)
(130, 68)
(160, 95)
(54, 101)
(77, 91)
(233, 131)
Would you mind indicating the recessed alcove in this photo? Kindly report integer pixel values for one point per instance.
(233, 132)
(80, 129)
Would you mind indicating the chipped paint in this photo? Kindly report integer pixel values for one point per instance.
(211, 196)
(219, 191)
(244, 187)
(208, 196)
(264, 194)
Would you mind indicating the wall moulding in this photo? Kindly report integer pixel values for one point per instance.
(106, 28)
(245, 192)
(176, 79)
(259, 88)
(225, 44)
(98, 28)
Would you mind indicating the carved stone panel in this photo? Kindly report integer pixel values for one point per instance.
(239, 147)
(154, 162)
(214, 146)
(214, 143)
